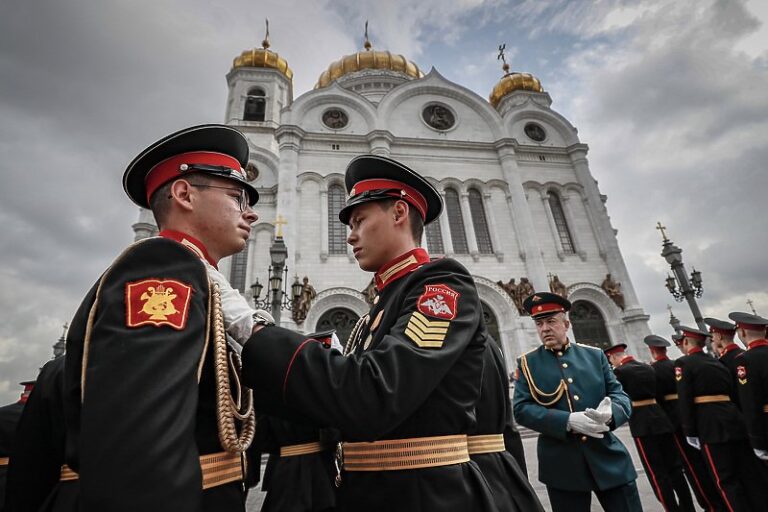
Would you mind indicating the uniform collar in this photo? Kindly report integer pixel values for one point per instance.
(729, 348)
(695, 350)
(400, 266)
(191, 243)
(662, 357)
(757, 343)
(564, 348)
(625, 360)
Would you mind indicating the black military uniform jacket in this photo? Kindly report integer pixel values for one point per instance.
(299, 483)
(38, 451)
(752, 374)
(139, 393)
(666, 389)
(9, 418)
(639, 382)
(698, 375)
(509, 483)
(731, 358)
(400, 383)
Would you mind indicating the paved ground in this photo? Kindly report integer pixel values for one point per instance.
(650, 504)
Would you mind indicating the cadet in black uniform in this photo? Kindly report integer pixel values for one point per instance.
(727, 350)
(150, 413)
(9, 418)
(652, 431)
(752, 373)
(509, 485)
(513, 442)
(713, 423)
(38, 453)
(695, 468)
(413, 374)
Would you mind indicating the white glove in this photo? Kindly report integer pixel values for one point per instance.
(603, 413)
(761, 454)
(694, 441)
(583, 424)
(335, 343)
(238, 315)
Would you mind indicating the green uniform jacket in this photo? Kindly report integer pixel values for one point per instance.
(577, 378)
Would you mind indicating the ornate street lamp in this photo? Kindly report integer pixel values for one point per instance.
(277, 298)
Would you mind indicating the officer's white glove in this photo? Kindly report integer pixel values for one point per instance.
(583, 424)
(335, 343)
(761, 454)
(263, 313)
(603, 413)
(694, 441)
(238, 314)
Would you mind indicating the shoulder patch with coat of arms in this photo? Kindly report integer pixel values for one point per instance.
(438, 301)
(741, 373)
(678, 373)
(157, 302)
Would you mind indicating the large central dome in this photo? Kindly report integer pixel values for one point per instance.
(369, 59)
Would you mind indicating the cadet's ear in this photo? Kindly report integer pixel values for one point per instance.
(181, 194)
(400, 211)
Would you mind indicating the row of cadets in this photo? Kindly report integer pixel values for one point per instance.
(652, 431)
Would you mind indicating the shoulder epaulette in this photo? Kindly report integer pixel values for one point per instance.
(588, 346)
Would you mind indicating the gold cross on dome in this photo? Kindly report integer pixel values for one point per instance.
(751, 306)
(663, 233)
(280, 222)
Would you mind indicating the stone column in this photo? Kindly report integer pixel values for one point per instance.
(469, 227)
(324, 221)
(515, 226)
(445, 229)
(521, 215)
(380, 142)
(490, 218)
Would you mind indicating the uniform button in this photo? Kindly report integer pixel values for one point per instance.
(575, 397)
(583, 439)
(570, 380)
(565, 365)
(559, 353)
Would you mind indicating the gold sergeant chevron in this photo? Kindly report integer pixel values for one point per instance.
(426, 333)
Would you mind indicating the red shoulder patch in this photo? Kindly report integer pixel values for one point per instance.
(741, 373)
(678, 373)
(157, 302)
(438, 301)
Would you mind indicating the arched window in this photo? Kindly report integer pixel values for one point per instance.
(434, 237)
(456, 222)
(589, 325)
(480, 222)
(341, 319)
(239, 266)
(491, 324)
(255, 105)
(563, 232)
(337, 232)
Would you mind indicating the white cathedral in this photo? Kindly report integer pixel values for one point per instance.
(520, 200)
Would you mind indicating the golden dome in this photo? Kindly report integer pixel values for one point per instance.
(368, 59)
(511, 82)
(263, 58)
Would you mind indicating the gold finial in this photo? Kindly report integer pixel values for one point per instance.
(751, 306)
(663, 233)
(265, 42)
(367, 44)
(279, 222)
(503, 57)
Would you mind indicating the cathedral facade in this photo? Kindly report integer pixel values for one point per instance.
(522, 210)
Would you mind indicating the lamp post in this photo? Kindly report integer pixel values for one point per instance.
(678, 283)
(277, 298)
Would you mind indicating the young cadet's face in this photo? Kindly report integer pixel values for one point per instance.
(222, 227)
(553, 330)
(371, 229)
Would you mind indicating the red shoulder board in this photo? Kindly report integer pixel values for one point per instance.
(157, 302)
(678, 373)
(741, 373)
(438, 301)
(517, 374)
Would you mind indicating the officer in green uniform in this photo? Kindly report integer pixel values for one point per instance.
(152, 424)
(404, 397)
(651, 430)
(568, 393)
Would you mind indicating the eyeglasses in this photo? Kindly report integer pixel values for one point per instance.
(242, 198)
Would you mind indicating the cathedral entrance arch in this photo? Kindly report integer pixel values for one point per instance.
(341, 319)
(588, 325)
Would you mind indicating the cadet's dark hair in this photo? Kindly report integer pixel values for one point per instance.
(414, 219)
(160, 202)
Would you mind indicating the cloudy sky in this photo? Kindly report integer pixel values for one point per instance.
(671, 96)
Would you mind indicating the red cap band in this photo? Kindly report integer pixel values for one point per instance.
(694, 335)
(721, 331)
(750, 327)
(411, 195)
(168, 169)
(540, 309)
